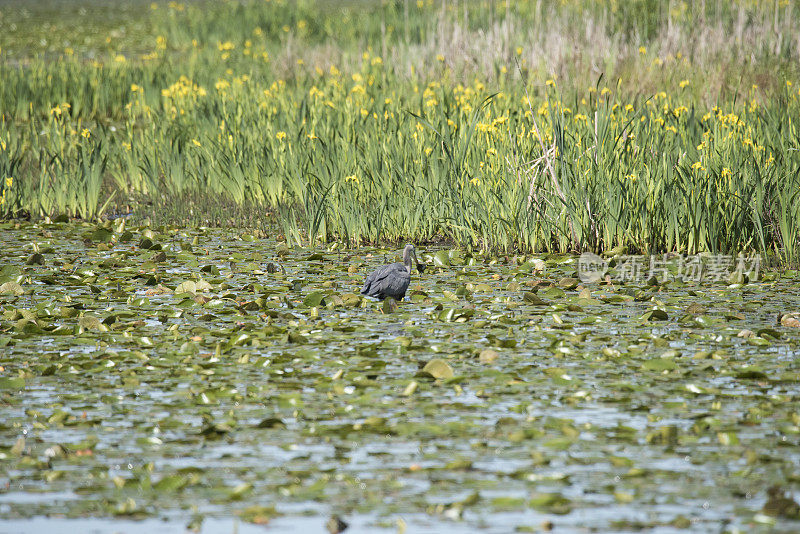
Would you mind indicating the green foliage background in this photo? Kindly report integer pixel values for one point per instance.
(534, 126)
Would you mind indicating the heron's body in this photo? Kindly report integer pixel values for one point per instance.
(390, 280)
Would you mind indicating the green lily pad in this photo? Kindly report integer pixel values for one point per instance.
(655, 315)
(315, 298)
(439, 369)
(11, 288)
(533, 298)
(441, 258)
(259, 515)
(659, 365)
(12, 383)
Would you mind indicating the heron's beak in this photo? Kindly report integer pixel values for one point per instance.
(420, 266)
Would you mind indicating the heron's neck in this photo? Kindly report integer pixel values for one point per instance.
(407, 261)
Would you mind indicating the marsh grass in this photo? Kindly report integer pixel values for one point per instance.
(657, 126)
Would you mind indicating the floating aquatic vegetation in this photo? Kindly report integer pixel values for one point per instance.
(137, 388)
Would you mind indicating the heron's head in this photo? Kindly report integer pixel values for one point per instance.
(409, 252)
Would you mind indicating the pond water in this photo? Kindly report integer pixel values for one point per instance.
(154, 378)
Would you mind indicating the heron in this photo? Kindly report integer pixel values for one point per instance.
(391, 280)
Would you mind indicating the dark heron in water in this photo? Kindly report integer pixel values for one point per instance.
(391, 280)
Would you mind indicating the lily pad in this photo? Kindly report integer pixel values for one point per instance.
(439, 369)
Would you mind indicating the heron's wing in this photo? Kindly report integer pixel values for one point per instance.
(368, 282)
(390, 280)
(395, 285)
(377, 274)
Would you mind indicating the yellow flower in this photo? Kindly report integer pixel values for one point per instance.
(475, 181)
(519, 50)
(543, 109)
(697, 166)
(86, 133)
(642, 50)
(135, 88)
(684, 83)
(726, 172)
(9, 181)
(439, 58)
(120, 58)
(551, 83)
(352, 178)
(280, 136)
(195, 142)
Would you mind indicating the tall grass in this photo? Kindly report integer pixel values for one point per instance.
(388, 121)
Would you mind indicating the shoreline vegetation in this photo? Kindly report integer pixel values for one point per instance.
(512, 126)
